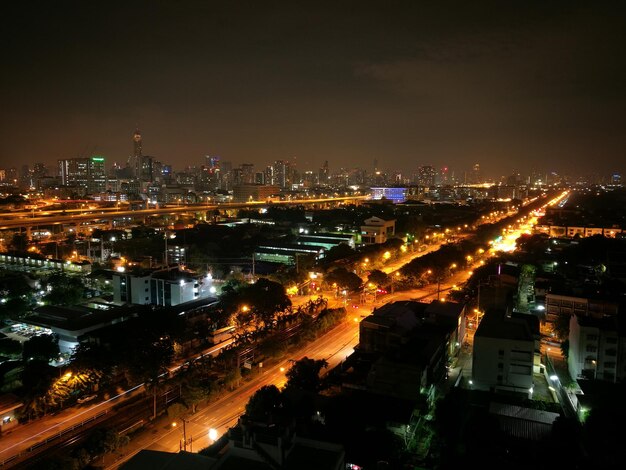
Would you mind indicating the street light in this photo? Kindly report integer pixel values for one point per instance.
(183, 445)
(393, 278)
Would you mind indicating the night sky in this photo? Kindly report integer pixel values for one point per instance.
(511, 85)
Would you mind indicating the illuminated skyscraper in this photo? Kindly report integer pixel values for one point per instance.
(86, 173)
(323, 174)
(137, 144)
(476, 177)
(280, 174)
(426, 176)
(135, 161)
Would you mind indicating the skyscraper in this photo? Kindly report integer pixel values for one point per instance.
(135, 161)
(137, 144)
(86, 173)
(280, 174)
(323, 174)
(476, 177)
(426, 176)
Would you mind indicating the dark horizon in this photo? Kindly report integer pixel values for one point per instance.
(524, 87)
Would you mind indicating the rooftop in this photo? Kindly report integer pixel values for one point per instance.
(496, 325)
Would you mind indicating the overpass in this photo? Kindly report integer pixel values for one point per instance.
(9, 221)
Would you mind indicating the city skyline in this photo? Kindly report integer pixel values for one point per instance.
(513, 88)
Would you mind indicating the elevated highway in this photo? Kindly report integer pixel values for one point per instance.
(13, 220)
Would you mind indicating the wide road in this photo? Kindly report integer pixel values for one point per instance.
(73, 216)
(334, 346)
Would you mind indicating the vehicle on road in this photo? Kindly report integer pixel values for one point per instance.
(86, 398)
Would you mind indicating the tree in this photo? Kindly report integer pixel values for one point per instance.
(378, 278)
(338, 252)
(37, 378)
(14, 308)
(193, 394)
(104, 441)
(10, 347)
(265, 402)
(19, 242)
(305, 374)
(266, 298)
(176, 410)
(232, 378)
(344, 279)
(41, 348)
(64, 289)
(561, 326)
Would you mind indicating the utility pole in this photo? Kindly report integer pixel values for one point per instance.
(165, 255)
(253, 266)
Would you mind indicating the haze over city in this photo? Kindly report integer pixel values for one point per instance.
(314, 236)
(512, 87)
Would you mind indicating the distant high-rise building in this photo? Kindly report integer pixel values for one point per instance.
(137, 150)
(213, 172)
(280, 174)
(323, 174)
(426, 176)
(135, 161)
(226, 182)
(443, 176)
(146, 168)
(476, 177)
(247, 173)
(616, 178)
(212, 162)
(86, 173)
(269, 174)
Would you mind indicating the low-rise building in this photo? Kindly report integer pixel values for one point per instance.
(377, 230)
(409, 345)
(562, 304)
(72, 324)
(326, 240)
(504, 353)
(596, 348)
(286, 254)
(36, 261)
(169, 286)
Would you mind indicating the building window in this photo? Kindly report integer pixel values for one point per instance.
(521, 370)
(591, 348)
(499, 379)
(611, 352)
(609, 365)
(500, 366)
(592, 337)
(501, 352)
(611, 340)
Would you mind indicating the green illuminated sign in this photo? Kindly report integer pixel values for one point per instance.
(97, 159)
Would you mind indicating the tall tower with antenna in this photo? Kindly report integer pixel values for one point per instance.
(135, 160)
